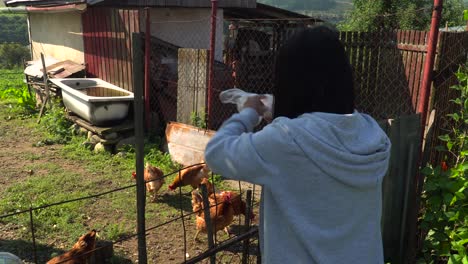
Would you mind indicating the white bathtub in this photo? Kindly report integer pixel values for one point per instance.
(95, 100)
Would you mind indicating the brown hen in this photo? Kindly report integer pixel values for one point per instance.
(80, 252)
(190, 176)
(154, 178)
(221, 213)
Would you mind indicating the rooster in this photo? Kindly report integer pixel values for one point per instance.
(80, 252)
(240, 206)
(221, 214)
(190, 176)
(154, 178)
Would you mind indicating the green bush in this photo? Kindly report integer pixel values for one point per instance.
(445, 193)
(13, 54)
(57, 124)
(14, 29)
(13, 89)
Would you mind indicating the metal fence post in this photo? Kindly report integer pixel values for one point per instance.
(424, 94)
(245, 246)
(31, 221)
(147, 67)
(214, 9)
(139, 142)
(208, 224)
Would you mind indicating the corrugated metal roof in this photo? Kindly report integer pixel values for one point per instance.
(136, 3)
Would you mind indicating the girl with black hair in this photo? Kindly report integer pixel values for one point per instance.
(320, 162)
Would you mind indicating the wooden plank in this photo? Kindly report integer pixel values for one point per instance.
(108, 47)
(125, 46)
(100, 44)
(123, 51)
(412, 65)
(419, 68)
(192, 83)
(126, 125)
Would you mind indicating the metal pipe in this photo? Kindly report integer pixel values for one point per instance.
(208, 224)
(57, 9)
(246, 244)
(214, 9)
(31, 221)
(16, 10)
(424, 92)
(139, 144)
(147, 67)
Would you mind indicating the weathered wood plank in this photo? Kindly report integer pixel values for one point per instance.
(192, 83)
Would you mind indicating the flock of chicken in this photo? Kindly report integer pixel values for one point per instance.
(223, 205)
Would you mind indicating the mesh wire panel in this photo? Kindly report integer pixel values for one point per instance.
(388, 73)
(387, 65)
(451, 54)
(388, 68)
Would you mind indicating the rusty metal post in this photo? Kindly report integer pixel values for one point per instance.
(245, 246)
(147, 66)
(139, 142)
(424, 94)
(31, 221)
(214, 9)
(208, 224)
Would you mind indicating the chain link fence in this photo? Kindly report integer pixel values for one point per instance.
(452, 53)
(388, 68)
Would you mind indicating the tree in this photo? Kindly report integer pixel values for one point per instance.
(12, 55)
(373, 15)
(13, 28)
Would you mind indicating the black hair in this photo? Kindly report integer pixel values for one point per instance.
(313, 74)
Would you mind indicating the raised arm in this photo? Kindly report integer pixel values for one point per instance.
(236, 152)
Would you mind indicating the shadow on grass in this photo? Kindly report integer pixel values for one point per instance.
(175, 200)
(25, 251)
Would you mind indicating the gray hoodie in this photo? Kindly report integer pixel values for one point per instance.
(321, 177)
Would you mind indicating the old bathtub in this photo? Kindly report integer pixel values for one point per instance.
(95, 100)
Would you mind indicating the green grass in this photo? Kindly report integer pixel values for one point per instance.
(14, 92)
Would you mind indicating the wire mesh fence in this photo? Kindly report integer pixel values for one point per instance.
(388, 69)
(452, 53)
(240, 246)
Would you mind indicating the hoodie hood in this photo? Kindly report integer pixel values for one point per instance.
(351, 148)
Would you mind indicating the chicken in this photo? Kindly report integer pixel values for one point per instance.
(154, 178)
(240, 206)
(190, 176)
(221, 214)
(80, 252)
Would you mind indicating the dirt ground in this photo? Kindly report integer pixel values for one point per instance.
(163, 246)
